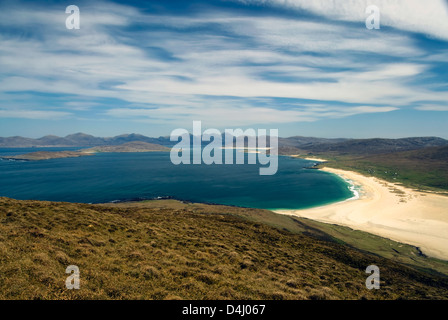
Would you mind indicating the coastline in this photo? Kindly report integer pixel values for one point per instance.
(388, 210)
(306, 158)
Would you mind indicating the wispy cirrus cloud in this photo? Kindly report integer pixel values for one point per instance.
(34, 114)
(433, 107)
(223, 67)
(427, 17)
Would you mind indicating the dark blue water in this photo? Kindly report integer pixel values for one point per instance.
(107, 177)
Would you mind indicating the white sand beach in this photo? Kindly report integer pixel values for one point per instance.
(389, 210)
(307, 158)
(316, 159)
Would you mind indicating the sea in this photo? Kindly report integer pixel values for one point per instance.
(116, 177)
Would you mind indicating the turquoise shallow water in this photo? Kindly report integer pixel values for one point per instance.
(129, 176)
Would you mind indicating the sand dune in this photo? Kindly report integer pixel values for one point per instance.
(391, 211)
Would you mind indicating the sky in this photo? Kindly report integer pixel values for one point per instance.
(308, 68)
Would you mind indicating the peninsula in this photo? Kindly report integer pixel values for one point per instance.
(46, 155)
(135, 146)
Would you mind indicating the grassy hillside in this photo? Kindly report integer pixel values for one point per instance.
(375, 146)
(366, 242)
(420, 162)
(425, 169)
(172, 251)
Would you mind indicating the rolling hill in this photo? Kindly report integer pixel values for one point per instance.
(170, 250)
(135, 146)
(297, 143)
(374, 146)
(419, 162)
(425, 168)
(45, 155)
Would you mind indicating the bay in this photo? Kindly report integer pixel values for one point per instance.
(107, 177)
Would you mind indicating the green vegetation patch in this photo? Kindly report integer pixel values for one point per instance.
(177, 251)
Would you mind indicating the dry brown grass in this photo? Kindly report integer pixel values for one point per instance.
(131, 251)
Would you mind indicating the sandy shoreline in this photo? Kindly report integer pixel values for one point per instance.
(307, 158)
(315, 159)
(391, 211)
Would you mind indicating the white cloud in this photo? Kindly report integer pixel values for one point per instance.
(217, 116)
(381, 86)
(428, 17)
(34, 114)
(95, 63)
(222, 114)
(99, 14)
(432, 108)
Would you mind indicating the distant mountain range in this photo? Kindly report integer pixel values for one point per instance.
(79, 140)
(291, 145)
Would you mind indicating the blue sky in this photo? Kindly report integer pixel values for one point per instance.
(307, 68)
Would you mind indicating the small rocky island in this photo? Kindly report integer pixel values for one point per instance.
(136, 146)
(46, 155)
